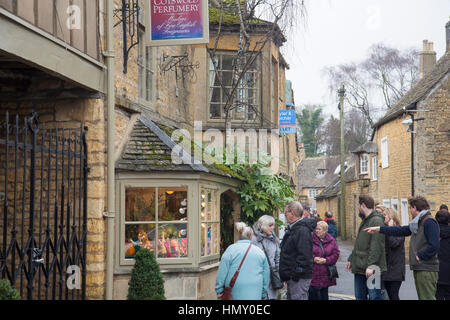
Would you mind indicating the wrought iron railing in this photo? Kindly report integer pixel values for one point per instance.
(43, 208)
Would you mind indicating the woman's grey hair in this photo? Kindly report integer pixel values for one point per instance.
(245, 232)
(264, 222)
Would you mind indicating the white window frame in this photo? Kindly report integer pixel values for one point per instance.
(312, 193)
(387, 203)
(375, 168)
(394, 205)
(242, 92)
(384, 153)
(204, 220)
(364, 164)
(405, 211)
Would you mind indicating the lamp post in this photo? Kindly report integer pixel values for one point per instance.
(341, 93)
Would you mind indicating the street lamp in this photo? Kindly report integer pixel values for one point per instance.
(341, 93)
(410, 123)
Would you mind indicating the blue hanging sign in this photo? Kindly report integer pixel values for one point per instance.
(288, 121)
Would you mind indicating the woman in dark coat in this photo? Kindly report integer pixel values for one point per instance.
(443, 284)
(395, 257)
(320, 282)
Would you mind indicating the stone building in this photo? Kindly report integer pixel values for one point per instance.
(134, 194)
(409, 149)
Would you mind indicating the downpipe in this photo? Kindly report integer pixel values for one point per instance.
(110, 216)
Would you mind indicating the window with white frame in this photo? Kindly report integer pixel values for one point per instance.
(312, 193)
(384, 153)
(405, 212)
(374, 168)
(246, 101)
(394, 204)
(364, 164)
(156, 219)
(209, 222)
(387, 203)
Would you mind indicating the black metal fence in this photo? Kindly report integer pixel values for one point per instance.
(43, 209)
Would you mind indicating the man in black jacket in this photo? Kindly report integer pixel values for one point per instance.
(296, 258)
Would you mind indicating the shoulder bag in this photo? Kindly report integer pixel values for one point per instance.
(227, 291)
(332, 270)
(274, 275)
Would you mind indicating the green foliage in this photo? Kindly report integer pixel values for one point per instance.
(146, 282)
(261, 194)
(309, 121)
(7, 292)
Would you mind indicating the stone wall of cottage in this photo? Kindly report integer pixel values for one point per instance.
(432, 147)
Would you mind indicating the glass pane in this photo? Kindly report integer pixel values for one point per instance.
(172, 241)
(172, 204)
(139, 236)
(215, 211)
(140, 204)
(215, 95)
(215, 111)
(208, 239)
(215, 238)
(203, 239)
(203, 205)
(227, 77)
(227, 62)
(209, 206)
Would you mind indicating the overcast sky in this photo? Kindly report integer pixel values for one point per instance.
(341, 31)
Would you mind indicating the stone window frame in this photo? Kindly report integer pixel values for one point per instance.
(257, 89)
(364, 164)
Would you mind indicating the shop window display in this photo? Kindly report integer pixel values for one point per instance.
(164, 233)
(209, 225)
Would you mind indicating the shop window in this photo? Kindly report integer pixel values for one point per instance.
(156, 219)
(209, 223)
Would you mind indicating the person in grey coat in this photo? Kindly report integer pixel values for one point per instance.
(267, 241)
(395, 257)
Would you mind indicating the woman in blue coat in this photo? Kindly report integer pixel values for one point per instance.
(253, 280)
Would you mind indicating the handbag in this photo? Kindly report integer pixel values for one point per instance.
(227, 291)
(332, 270)
(274, 275)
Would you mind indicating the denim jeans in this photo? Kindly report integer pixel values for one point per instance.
(362, 292)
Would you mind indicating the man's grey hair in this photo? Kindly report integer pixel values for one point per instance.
(296, 208)
(264, 222)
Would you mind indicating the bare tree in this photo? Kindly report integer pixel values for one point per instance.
(377, 82)
(258, 22)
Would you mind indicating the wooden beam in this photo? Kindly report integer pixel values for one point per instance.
(49, 95)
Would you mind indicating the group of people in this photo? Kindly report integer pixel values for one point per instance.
(304, 262)
(379, 251)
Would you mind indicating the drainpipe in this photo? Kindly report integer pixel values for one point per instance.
(110, 216)
(412, 155)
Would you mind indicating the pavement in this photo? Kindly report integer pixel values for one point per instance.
(344, 289)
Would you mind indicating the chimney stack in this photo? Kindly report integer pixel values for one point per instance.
(447, 33)
(427, 58)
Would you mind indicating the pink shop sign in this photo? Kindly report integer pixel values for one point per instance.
(178, 22)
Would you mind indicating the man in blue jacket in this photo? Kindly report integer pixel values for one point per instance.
(423, 248)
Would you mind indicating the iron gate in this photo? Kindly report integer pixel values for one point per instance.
(43, 205)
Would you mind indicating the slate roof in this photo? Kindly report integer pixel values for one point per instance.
(308, 171)
(149, 148)
(334, 188)
(419, 91)
(368, 147)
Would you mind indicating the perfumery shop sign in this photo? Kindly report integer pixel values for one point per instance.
(178, 22)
